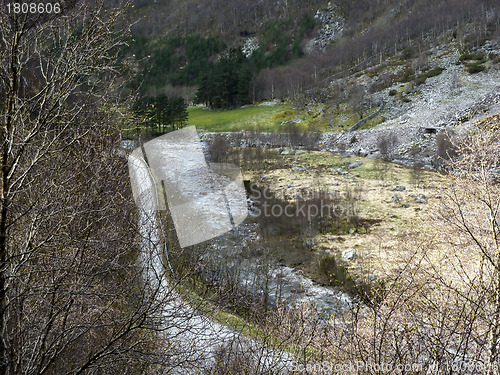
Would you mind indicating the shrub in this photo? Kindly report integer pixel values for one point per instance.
(218, 149)
(406, 75)
(421, 78)
(468, 56)
(387, 145)
(416, 174)
(463, 119)
(445, 149)
(434, 71)
(230, 360)
(473, 68)
(393, 92)
(338, 275)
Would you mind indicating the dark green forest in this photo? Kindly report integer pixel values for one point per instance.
(162, 113)
(222, 75)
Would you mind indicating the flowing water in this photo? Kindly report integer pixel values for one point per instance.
(195, 339)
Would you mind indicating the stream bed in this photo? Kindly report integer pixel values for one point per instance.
(280, 283)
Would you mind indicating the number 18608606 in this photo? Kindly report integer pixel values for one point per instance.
(33, 8)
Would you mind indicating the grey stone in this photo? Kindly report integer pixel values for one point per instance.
(399, 188)
(396, 198)
(353, 165)
(309, 243)
(408, 163)
(339, 171)
(347, 154)
(348, 255)
(374, 155)
(421, 198)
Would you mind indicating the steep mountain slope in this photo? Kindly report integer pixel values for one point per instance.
(431, 62)
(229, 20)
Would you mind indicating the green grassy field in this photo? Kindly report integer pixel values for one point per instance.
(270, 118)
(264, 118)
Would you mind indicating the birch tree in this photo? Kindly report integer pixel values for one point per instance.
(72, 296)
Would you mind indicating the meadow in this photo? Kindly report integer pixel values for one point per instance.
(267, 118)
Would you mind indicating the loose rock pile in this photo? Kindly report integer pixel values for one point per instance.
(332, 25)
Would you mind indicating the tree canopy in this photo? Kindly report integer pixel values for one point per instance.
(226, 84)
(162, 112)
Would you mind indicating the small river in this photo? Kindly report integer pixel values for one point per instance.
(198, 338)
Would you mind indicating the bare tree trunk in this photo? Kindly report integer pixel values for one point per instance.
(495, 332)
(4, 194)
(71, 298)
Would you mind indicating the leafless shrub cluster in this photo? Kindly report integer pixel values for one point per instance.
(417, 174)
(445, 148)
(218, 149)
(73, 299)
(387, 145)
(300, 138)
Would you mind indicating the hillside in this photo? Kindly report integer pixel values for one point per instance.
(308, 51)
(407, 66)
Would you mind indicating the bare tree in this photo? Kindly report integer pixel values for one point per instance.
(416, 174)
(472, 212)
(72, 297)
(439, 308)
(357, 100)
(445, 149)
(386, 144)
